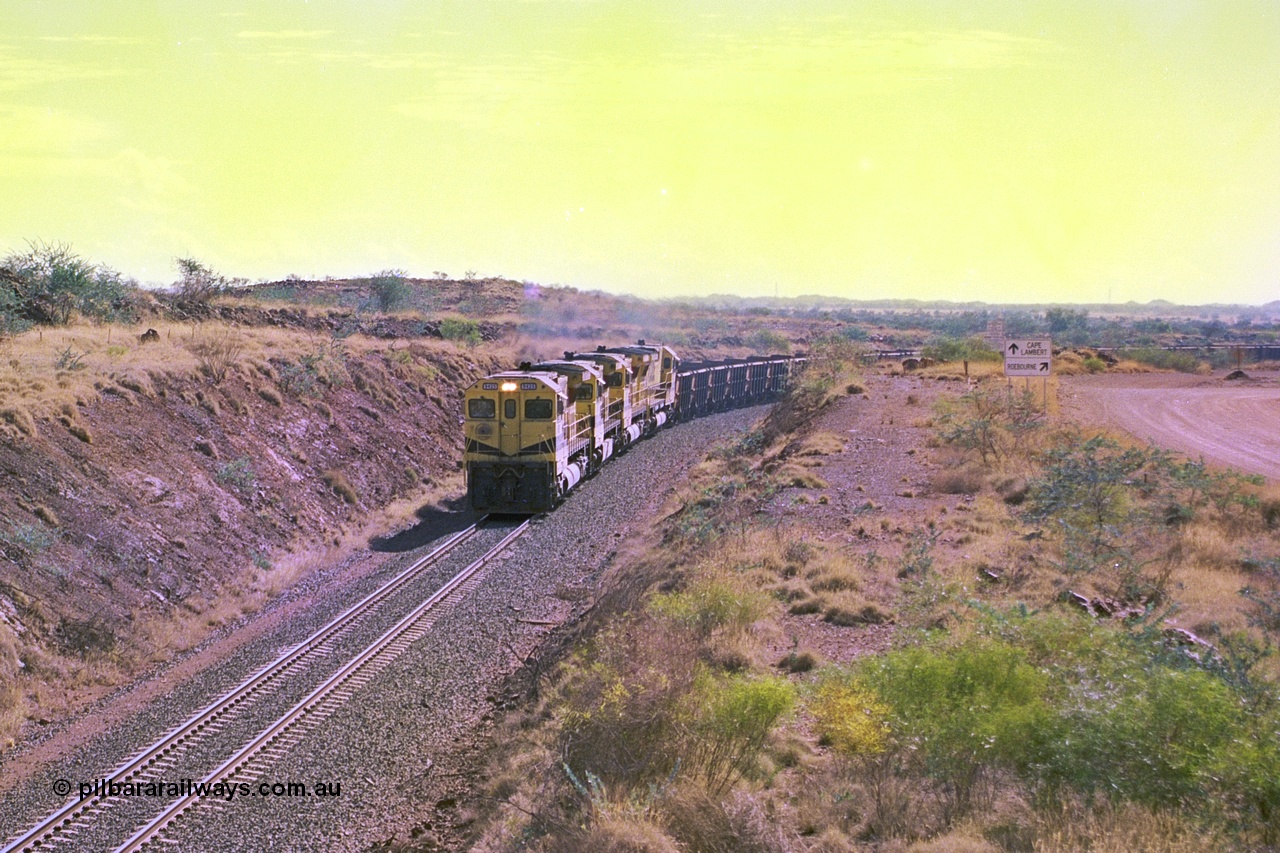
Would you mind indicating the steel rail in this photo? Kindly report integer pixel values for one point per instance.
(315, 701)
(47, 830)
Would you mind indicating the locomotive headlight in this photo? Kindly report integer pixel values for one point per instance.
(508, 386)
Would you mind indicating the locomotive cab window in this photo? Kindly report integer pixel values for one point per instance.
(537, 410)
(508, 409)
(583, 393)
(481, 407)
(666, 364)
(614, 380)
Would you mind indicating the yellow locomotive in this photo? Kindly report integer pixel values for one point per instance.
(534, 433)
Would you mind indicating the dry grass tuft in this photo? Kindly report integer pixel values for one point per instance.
(619, 834)
(78, 430)
(799, 478)
(335, 480)
(217, 354)
(817, 444)
(954, 842)
(47, 515)
(800, 661)
(141, 387)
(270, 395)
(1122, 829)
(1209, 546)
(864, 614)
(20, 419)
(968, 479)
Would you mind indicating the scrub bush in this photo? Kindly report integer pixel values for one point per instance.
(993, 423)
(731, 719)
(850, 718)
(965, 712)
(461, 330)
(1183, 362)
(389, 289)
(49, 283)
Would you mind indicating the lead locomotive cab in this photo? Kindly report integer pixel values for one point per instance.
(518, 427)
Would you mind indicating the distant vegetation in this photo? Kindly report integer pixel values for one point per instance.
(49, 284)
(1184, 362)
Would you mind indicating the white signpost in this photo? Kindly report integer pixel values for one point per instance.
(1030, 357)
(1027, 358)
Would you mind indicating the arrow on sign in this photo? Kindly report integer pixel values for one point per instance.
(1013, 349)
(1044, 367)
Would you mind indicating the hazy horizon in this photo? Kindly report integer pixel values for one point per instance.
(1065, 153)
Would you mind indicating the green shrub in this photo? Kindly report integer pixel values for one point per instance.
(461, 330)
(32, 538)
(1094, 365)
(732, 718)
(1086, 490)
(1114, 506)
(49, 283)
(768, 342)
(1134, 720)
(1142, 731)
(1247, 767)
(965, 711)
(850, 718)
(710, 605)
(1183, 362)
(389, 289)
(992, 422)
(198, 283)
(623, 704)
(959, 349)
(238, 473)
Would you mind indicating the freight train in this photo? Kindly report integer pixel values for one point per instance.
(534, 433)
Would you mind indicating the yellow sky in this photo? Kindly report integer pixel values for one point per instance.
(1002, 151)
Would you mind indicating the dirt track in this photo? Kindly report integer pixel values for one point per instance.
(1235, 423)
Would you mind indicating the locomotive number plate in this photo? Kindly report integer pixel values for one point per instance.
(490, 386)
(528, 386)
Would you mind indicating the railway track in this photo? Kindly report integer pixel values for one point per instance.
(69, 826)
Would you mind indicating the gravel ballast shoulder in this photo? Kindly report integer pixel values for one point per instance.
(400, 749)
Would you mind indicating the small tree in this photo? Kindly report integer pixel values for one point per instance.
(50, 283)
(198, 283)
(389, 289)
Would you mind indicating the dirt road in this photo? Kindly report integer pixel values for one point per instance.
(1230, 422)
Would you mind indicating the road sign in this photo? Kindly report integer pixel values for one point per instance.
(1028, 357)
(1028, 348)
